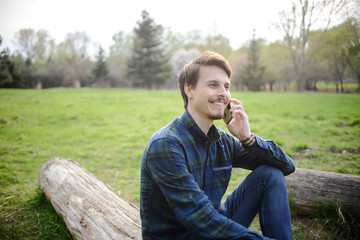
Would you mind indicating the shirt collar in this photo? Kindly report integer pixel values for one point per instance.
(212, 136)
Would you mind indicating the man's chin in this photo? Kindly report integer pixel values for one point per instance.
(216, 116)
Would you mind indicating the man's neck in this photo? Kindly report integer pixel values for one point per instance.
(203, 122)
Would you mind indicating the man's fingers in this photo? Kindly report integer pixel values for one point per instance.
(236, 101)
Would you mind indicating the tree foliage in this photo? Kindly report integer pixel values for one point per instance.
(120, 52)
(252, 77)
(296, 26)
(217, 43)
(276, 58)
(339, 51)
(71, 56)
(353, 47)
(33, 44)
(100, 71)
(313, 50)
(10, 76)
(148, 66)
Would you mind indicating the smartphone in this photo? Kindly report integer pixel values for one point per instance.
(227, 113)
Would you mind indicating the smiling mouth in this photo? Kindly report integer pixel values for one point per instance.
(219, 104)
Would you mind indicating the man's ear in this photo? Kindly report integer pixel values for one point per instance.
(187, 90)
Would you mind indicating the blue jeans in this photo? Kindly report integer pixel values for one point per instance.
(263, 191)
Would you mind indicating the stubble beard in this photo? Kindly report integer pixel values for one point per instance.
(216, 116)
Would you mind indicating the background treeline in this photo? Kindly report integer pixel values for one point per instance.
(150, 56)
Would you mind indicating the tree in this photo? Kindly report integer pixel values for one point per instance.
(238, 63)
(193, 39)
(35, 48)
(10, 76)
(120, 52)
(275, 57)
(173, 41)
(77, 44)
(72, 54)
(44, 45)
(252, 77)
(353, 47)
(25, 39)
(178, 60)
(100, 71)
(33, 44)
(296, 26)
(339, 50)
(217, 43)
(148, 66)
(335, 53)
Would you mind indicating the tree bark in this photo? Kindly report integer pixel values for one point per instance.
(308, 188)
(89, 208)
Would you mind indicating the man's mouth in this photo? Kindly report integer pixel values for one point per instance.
(219, 102)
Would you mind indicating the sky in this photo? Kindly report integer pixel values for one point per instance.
(101, 19)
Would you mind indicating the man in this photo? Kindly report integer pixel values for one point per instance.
(186, 167)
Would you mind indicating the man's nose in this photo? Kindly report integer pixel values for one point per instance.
(223, 91)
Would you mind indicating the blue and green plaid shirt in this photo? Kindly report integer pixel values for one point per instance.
(184, 175)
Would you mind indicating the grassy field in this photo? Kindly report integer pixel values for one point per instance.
(107, 130)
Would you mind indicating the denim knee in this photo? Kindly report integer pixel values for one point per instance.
(271, 175)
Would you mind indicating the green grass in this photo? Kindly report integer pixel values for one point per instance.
(342, 222)
(106, 132)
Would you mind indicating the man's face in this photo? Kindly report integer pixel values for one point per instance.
(211, 94)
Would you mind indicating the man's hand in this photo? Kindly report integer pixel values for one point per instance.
(239, 126)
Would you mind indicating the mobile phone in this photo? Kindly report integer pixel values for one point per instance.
(227, 113)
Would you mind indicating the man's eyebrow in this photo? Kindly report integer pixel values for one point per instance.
(218, 81)
(212, 81)
(226, 84)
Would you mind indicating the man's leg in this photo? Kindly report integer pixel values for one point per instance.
(264, 190)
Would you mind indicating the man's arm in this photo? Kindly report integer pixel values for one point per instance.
(263, 152)
(166, 164)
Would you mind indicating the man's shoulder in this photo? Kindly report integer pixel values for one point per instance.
(171, 132)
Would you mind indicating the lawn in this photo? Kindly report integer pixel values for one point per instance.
(106, 132)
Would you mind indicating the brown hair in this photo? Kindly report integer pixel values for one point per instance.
(190, 72)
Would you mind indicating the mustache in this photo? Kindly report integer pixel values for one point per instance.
(218, 99)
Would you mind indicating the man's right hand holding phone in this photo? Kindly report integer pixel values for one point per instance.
(239, 125)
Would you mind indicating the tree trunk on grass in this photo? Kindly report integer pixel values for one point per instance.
(90, 209)
(309, 188)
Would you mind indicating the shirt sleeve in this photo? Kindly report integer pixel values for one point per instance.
(263, 152)
(166, 163)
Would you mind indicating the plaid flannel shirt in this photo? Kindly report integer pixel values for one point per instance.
(184, 175)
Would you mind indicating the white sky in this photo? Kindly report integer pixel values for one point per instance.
(101, 19)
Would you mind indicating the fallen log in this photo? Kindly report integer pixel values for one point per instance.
(89, 208)
(309, 189)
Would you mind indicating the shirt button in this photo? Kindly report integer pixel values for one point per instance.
(190, 197)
